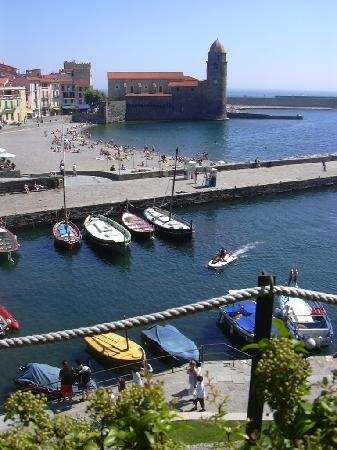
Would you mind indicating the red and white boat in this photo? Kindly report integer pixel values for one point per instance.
(66, 234)
(7, 321)
(137, 226)
(8, 242)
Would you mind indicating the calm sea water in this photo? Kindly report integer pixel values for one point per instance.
(49, 290)
(233, 140)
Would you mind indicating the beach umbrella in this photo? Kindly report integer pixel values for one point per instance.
(5, 154)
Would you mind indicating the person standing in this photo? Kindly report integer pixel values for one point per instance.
(192, 376)
(83, 373)
(62, 167)
(200, 394)
(66, 378)
(324, 165)
(136, 378)
(74, 170)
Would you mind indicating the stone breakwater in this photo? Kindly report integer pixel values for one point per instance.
(49, 216)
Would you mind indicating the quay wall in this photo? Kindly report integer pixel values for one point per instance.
(180, 200)
(300, 101)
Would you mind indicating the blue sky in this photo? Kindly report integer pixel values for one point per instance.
(270, 44)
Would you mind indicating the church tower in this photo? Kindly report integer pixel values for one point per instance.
(216, 82)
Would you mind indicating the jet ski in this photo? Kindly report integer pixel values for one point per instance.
(221, 260)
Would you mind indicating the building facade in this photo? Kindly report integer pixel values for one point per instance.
(173, 95)
(12, 104)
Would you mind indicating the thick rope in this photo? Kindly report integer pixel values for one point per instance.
(171, 313)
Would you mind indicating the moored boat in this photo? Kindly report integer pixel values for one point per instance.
(168, 224)
(306, 320)
(44, 379)
(107, 233)
(7, 321)
(137, 226)
(239, 319)
(8, 242)
(66, 234)
(115, 349)
(168, 341)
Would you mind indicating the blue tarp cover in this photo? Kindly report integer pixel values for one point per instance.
(173, 342)
(45, 376)
(41, 375)
(246, 308)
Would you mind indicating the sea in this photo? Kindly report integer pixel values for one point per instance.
(48, 290)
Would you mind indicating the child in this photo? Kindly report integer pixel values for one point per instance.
(200, 394)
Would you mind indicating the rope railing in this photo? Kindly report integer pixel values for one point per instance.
(172, 313)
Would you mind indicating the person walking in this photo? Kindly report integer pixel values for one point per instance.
(66, 378)
(200, 394)
(324, 165)
(74, 170)
(192, 376)
(62, 167)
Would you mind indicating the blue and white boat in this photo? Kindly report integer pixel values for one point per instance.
(239, 318)
(306, 320)
(168, 341)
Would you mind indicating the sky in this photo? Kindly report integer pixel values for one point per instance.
(270, 44)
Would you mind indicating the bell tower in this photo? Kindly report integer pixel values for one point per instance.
(216, 82)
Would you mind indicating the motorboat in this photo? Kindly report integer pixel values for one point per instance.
(7, 321)
(137, 226)
(66, 234)
(115, 349)
(168, 341)
(221, 261)
(8, 242)
(44, 379)
(107, 233)
(239, 319)
(306, 320)
(168, 224)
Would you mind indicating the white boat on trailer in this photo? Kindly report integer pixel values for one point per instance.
(306, 320)
(107, 233)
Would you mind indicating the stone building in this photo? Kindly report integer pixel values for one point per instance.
(12, 104)
(173, 95)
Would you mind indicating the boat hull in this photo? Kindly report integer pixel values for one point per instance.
(176, 228)
(8, 242)
(220, 264)
(111, 244)
(66, 241)
(137, 226)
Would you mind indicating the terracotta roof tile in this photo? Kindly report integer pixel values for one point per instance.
(4, 81)
(146, 76)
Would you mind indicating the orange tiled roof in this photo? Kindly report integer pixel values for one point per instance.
(4, 81)
(157, 94)
(146, 76)
(184, 83)
(8, 69)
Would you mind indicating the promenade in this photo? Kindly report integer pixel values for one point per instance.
(223, 379)
(33, 152)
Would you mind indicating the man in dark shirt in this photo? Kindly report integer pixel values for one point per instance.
(66, 378)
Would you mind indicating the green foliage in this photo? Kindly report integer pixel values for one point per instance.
(140, 418)
(93, 97)
(25, 407)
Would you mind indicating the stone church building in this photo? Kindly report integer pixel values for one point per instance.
(172, 95)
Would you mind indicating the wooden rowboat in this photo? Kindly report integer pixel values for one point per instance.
(107, 233)
(8, 242)
(168, 224)
(115, 348)
(66, 234)
(139, 227)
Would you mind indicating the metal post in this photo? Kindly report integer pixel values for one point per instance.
(263, 323)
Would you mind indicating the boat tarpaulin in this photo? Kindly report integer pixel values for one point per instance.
(246, 308)
(41, 375)
(173, 342)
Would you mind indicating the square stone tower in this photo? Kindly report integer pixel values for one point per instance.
(215, 98)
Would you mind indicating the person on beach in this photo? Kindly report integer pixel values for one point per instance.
(200, 394)
(66, 378)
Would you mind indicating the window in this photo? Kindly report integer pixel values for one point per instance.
(160, 88)
(131, 89)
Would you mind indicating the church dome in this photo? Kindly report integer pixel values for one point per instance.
(217, 47)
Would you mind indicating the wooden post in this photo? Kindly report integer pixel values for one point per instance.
(263, 323)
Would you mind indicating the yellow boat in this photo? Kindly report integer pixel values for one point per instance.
(115, 348)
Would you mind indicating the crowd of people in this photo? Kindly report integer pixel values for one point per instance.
(6, 165)
(82, 376)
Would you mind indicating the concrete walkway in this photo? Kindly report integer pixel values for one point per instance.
(223, 379)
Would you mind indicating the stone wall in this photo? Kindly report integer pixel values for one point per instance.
(18, 186)
(180, 200)
(286, 101)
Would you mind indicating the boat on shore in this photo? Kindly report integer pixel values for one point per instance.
(7, 321)
(168, 341)
(115, 349)
(306, 320)
(44, 379)
(8, 242)
(165, 222)
(137, 226)
(107, 233)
